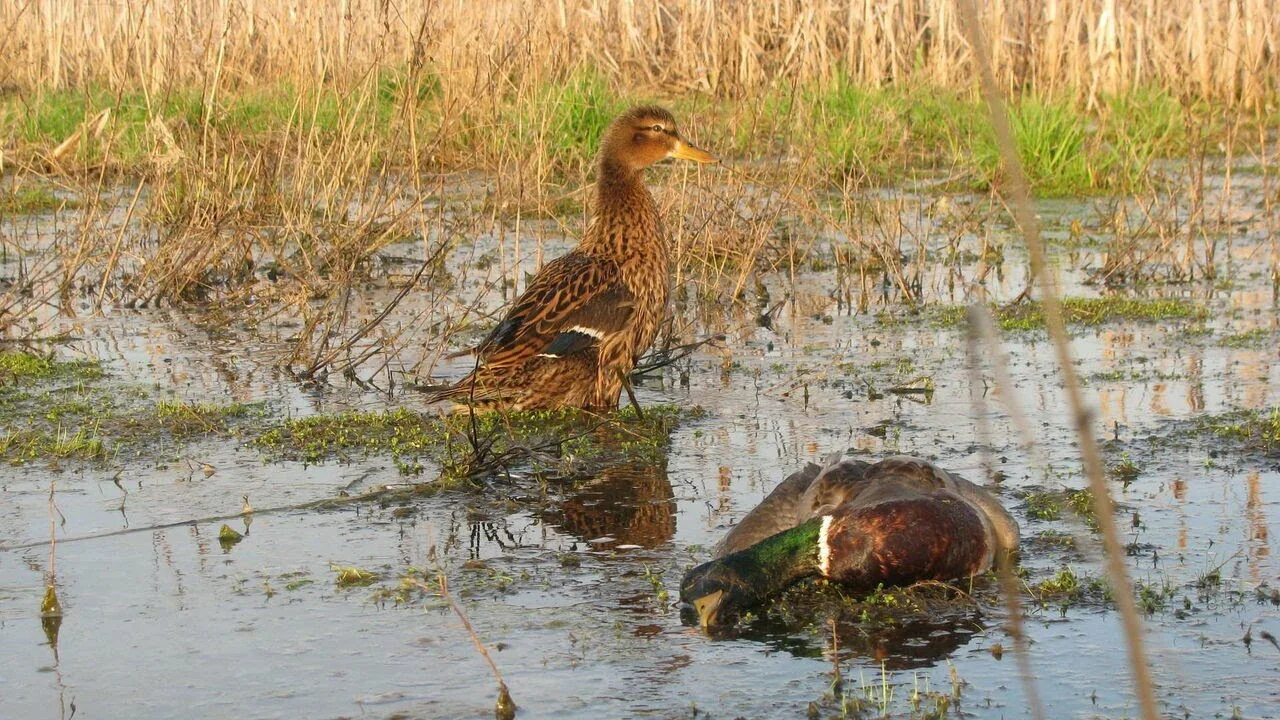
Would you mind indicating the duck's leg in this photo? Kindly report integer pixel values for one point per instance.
(631, 394)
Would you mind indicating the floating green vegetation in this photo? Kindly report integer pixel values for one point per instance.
(448, 439)
(96, 428)
(1257, 429)
(1154, 597)
(53, 410)
(1125, 469)
(1063, 586)
(351, 576)
(1081, 503)
(50, 606)
(183, 419)
(1043, 506)
(1050, 504)
(322, 436)
(1255, 338)
(1085, 311)
(29, 200)
(1055, 539)
(1066, 588)
(24, 445)
(228, 537)
(17, 367)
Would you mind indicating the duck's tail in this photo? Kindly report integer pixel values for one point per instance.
(466, 391)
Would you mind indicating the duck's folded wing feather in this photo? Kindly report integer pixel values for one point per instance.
(841, 480)
(600, 317)
(572, 303)
(777, 512)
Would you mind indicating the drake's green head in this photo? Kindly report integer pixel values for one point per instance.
(717, 592)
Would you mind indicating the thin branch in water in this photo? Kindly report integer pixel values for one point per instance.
(1004, 567)
(505, 709)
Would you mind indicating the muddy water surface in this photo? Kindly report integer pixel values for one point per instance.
(572, 584)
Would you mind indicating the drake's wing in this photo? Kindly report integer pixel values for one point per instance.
(777, 512)
(841, 480)
(572, 304)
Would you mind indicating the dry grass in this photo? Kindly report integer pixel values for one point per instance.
(261, 159)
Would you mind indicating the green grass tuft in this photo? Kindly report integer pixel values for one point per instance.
(19, 368)
(1257, 429)
(30, 200)
(1085, 311)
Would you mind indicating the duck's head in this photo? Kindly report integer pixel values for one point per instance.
(720, 590)
(714, 594)
(645, 135)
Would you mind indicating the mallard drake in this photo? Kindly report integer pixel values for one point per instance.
(894, 522)
(574, 336)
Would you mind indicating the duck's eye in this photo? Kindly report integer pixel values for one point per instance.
(656, 128)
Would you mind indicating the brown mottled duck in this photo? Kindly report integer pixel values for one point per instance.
(895, 522)
(574, 336)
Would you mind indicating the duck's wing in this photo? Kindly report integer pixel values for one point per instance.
(841, 480)
(777, 512)
(903, 476)
(573, 304)
(1001, 525)
(908, 478)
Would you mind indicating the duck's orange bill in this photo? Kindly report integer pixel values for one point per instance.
(685, 151)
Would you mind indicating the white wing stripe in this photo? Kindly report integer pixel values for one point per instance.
(592, 332)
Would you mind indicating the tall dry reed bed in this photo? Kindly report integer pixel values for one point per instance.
(270, 150)
(1225, 50)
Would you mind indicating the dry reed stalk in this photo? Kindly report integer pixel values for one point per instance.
(980, 323)
(1024, 215)
(50, 605)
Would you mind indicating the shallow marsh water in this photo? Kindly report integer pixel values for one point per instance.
(572, 585)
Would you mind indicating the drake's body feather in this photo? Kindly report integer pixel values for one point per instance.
(575, 334)
(897, 521)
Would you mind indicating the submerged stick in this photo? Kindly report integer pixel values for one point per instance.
(505, 708)
(321, 504)
(1024, 216)
(631, 394)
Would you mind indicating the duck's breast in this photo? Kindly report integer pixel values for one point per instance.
(904, 539)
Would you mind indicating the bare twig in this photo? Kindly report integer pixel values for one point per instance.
(1009, 590)
(506, 707)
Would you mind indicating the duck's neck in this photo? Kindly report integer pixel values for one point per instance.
(772, 564)
(624, 211)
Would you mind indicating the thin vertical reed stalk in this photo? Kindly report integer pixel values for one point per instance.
(1024, 215)
(980, 320)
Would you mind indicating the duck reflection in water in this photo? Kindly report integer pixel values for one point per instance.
(630, 503)
(923, 626)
